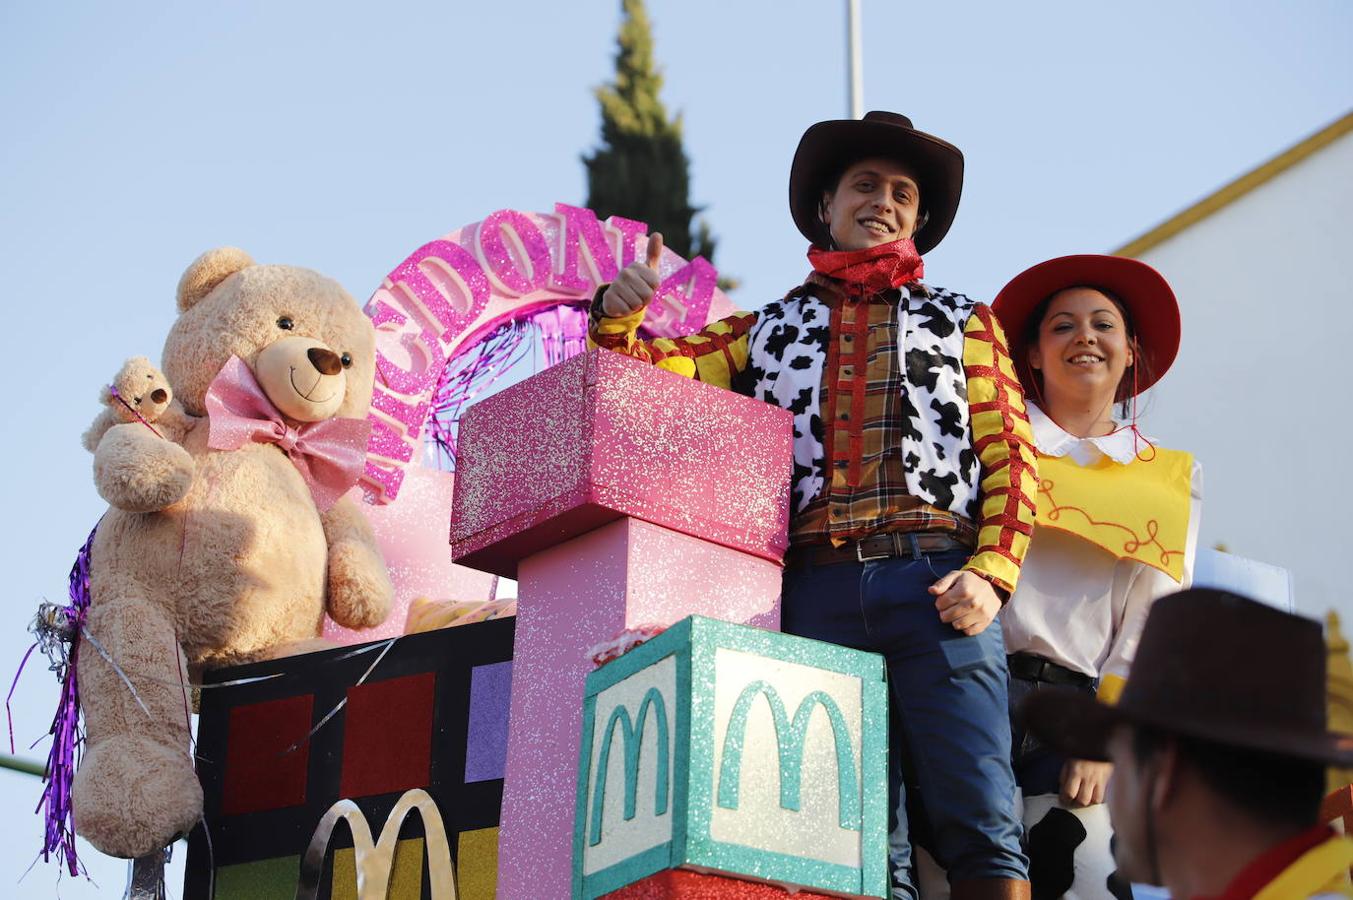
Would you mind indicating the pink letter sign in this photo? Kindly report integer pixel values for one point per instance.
(458, 289)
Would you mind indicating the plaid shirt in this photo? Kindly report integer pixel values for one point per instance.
(865, 490)
(865, 486)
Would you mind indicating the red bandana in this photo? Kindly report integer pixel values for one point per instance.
(871, 270)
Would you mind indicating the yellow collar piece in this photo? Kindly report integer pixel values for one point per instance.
(1320, 871)
(1137, 511)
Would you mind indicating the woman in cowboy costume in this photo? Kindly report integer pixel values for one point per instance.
(1117, 528)
(914, 472)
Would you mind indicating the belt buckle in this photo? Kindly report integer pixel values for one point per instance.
(859, 554)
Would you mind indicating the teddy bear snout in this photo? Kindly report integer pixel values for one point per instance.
(326, 362)
(302, 377)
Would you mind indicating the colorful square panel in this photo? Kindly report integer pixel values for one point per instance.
(264, 769)
(477, 864)
(266, 879)
(486, 746)
(387, 736)
(406, 873)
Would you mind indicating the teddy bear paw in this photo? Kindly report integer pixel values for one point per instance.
(360, 592)
(133, 796)
(138, 471)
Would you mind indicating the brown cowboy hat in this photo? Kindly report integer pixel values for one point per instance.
(1151, 306)
(828, 148)
(1214, 666)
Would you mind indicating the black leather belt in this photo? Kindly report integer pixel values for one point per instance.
(1031, 667)
(908, 545)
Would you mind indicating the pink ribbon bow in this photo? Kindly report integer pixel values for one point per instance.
(330, 455)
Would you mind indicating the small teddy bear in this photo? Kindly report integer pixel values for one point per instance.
(139, 392)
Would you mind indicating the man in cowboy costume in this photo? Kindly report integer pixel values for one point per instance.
(913, 468)
(1219, 748)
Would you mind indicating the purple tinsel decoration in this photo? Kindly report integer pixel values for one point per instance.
(58, 630)
(563, 333)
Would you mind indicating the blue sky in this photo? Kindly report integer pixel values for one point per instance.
(341, 136)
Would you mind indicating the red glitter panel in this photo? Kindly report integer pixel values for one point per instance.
(678, 884)
(259, 772)
(387, 736)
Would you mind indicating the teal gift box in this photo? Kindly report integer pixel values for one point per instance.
(730, 749)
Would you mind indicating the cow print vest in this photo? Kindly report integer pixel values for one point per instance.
(788, 349)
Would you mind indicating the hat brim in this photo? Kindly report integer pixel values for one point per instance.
(1150, 302)
(1079, 726)
(828, 148)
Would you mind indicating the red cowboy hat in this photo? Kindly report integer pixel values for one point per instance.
(1151, 305)
(827, 149)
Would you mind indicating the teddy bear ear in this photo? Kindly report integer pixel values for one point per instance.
(209, 270)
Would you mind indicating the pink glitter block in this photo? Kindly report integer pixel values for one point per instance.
(603, 436)
(572, 597)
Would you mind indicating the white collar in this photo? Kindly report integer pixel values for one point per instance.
(1053, 440)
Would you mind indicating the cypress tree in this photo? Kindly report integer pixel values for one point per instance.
(641, 170)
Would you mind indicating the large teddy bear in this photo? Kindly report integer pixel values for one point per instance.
(229, 543)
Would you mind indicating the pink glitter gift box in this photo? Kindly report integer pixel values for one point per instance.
(603, 436)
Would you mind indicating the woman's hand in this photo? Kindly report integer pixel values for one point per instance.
(634, 287)
(1083, 781)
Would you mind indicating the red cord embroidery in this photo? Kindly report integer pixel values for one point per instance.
(1008, 520)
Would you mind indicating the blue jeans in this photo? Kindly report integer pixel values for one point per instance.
(1038, 767)
(948, 695)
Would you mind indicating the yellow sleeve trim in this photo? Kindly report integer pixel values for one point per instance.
(1003, 440)
(625, 327)
(1323, 869)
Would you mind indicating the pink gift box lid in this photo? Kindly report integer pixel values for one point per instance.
(602, 436)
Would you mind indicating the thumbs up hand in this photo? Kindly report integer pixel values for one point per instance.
(634, 287)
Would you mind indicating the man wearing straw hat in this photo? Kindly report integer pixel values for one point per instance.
(1219, 748)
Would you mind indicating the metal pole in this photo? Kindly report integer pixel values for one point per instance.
(854, 54)
(19, 764)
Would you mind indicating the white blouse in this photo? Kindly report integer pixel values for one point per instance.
(1077, 604)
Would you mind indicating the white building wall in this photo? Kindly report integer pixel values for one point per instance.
(1262, 392)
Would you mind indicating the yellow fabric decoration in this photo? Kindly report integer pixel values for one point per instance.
(1138, 511)
(1339, 695)
(1110, 689)
(1320, 870)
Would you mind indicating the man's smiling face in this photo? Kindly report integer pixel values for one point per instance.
(876, 201)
